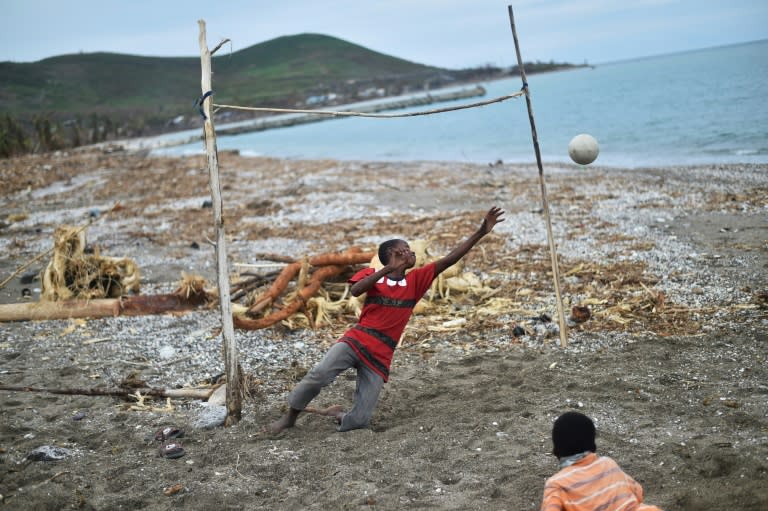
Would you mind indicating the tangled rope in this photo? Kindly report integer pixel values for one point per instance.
(349, 113)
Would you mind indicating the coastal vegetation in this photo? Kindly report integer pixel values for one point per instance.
(72, 100)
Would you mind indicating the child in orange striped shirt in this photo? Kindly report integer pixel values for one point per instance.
(587, 481)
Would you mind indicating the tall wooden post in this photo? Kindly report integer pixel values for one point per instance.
(231, 363)
(550, 237)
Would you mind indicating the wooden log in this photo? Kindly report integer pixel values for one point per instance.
(154, 392)
(46, 310)
(137, 305)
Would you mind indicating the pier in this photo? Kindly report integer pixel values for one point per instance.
(294, 119)
(369, 107)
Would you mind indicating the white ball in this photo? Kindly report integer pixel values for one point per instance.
(583, 149)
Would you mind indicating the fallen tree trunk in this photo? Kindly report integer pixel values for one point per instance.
(60, 310)
(173, 393)
(138, 305)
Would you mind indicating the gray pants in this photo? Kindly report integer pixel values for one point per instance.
(338, 359)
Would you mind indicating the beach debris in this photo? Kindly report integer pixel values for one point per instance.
(16, 217)
(612, 296)
(74, 273)
(48, 453)
(139, 394)
(308, 284)
(172, 490)
(28, 278)
(455, 323)
(142, 406)
(191, 294)
(253, 281)
(580, 313)
(312, 292)
(519, 331)
(315, 300)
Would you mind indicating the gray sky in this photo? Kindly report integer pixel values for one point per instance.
(446, 33)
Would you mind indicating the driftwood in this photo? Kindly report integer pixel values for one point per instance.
(274, 257)
(352, 256)
(315, 281)
(149, 391)
(189, 296)
(242, 288)
(329, 265)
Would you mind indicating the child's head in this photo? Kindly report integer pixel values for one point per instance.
(386, 248)
(573, 433)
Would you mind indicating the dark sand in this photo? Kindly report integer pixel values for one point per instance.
(678, 389)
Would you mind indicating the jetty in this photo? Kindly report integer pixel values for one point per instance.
(368, 107)
(294, 119)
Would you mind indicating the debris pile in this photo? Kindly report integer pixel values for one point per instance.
(312, 292)
(73, 272)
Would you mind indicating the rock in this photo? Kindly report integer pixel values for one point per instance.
(218, 397)
(48, 453)
(211, 416)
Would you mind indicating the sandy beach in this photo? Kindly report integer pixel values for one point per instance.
(671, 365)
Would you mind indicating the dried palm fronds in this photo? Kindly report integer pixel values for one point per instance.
(72, 273)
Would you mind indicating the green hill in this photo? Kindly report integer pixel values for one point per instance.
(277, 72)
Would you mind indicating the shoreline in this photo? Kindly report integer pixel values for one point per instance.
(276, 121)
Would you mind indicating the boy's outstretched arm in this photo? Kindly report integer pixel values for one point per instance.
(492, 217)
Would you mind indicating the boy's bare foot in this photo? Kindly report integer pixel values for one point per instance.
(286, 421)
(335, 411)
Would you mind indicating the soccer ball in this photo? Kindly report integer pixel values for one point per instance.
(583, 149)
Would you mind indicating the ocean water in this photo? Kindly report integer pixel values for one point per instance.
(703, 106)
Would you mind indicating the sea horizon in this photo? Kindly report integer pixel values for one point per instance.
(649, 111)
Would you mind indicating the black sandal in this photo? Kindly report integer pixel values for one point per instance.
(168, 433)
(172, 450)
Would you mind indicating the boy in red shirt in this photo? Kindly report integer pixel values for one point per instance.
(369, 345)
(587, 481)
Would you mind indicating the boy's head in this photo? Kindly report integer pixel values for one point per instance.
(573, 433)
(389, 246)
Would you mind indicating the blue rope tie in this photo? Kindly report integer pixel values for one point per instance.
(199, 103)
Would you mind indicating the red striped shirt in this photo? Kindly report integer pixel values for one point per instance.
(388, 307)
